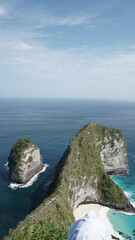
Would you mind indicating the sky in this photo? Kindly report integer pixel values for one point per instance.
(67, 49)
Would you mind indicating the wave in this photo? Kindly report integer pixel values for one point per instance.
(128, 194)
(15, 186)
(131, 155)
(6, 166)
(132, 202)
(128, 213)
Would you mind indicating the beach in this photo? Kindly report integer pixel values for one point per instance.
(101, 212)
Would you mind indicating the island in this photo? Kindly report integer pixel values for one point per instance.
(81, 176)
(24, 161)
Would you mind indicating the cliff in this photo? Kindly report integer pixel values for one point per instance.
(24, 160)
(85, 163)
(113, 152)
(81, 177)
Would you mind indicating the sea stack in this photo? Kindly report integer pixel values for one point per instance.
(24, 160)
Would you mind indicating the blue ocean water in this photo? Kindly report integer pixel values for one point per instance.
(52, 123)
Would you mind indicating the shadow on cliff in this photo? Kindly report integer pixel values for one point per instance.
(41, 191)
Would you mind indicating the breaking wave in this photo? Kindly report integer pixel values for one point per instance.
(15, 186)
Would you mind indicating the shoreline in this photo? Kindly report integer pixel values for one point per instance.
(29, 178)
(15, 185)
(101, 212)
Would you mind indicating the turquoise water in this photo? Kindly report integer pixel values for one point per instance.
(52, 123)
(124, 222)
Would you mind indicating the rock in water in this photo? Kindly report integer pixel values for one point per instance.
(24, 160)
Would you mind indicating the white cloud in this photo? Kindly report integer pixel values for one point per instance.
(2, 11)
(49, 19)
(23, 46)
(36, 14)
(73, 72)
(15, 46)
(85, 64)
(24, 55)
(69, 21)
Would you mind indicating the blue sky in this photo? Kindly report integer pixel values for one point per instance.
(67, 48)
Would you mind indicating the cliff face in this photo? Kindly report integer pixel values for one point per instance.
(81, 177)
(24, 160)
(113, 154)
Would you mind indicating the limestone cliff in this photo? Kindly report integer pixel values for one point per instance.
(24, 160)
(81, 177)
(113, 152)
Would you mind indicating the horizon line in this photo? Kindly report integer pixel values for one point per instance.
(67, 98)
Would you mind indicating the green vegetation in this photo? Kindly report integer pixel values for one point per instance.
(17, 150)
(47, 230)
(80, 167)
(109, 191)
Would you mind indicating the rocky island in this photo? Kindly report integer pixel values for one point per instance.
(81, 176)
(24, 160)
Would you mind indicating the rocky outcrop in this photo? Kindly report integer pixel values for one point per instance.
(81, 177)
(114, 154)
(24, 160)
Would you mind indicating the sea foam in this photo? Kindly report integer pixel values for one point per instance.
(15, 186)
(128, 194)
(6, 166)
(131, 155)
(132, 202)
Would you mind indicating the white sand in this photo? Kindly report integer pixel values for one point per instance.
(101, 211)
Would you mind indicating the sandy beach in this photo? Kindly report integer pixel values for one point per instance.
(100, 210)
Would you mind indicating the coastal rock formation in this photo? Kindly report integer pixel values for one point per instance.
(113, 152)
(24, 160)
(81, 177)
(89, 157)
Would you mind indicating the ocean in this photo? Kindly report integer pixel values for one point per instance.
(52, 123)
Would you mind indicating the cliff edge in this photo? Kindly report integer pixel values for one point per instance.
(81, 177)
(24, 160)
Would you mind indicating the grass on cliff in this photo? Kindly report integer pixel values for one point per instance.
(109, 191)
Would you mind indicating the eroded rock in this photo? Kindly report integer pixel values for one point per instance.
(24, 160)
